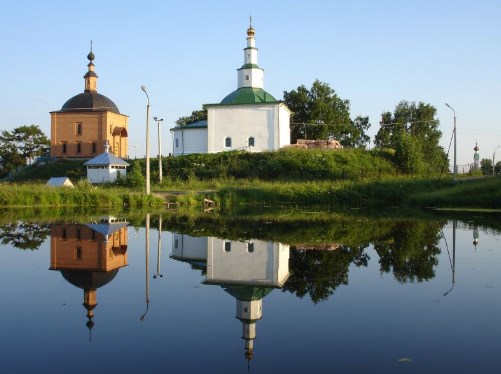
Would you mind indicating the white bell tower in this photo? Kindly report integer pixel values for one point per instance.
(250, 74)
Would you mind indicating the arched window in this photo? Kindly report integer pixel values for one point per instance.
(227, 142)
(251, 141)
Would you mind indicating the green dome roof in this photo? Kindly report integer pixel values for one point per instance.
(248, 95)
(248, 293)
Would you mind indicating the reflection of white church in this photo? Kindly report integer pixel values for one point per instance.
(247, 270)
(249, 118)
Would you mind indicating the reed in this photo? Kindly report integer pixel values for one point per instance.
(39, 195)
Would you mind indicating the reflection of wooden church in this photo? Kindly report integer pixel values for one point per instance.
(247, 270)
(89, 256)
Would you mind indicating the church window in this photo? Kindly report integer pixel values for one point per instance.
(79, 234)
(93, 236)
(251, 141)
(247, 77)
(250, 247)
(176, 243)
(177, 143)
(94, 147)
(64, 146)
(78, 253)
(227, 246)
(79, 147)
(227, 142)
(79, 128)
(63, 234)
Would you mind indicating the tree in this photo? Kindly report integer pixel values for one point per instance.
(135, 177)
(10, 159)
(196, 115)
(319, 113)
(486, 166)
(412, 130)
(29, 141)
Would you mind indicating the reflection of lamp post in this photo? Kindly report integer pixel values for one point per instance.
(455, 164)
(147, 250)
(159, 148)
(453, 264)
(493, 160)
(159, 248)
(147, 142)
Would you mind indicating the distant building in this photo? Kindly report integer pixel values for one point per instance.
(105, 167)
(249, 118)
(86, 121)
(60, 182)
(476, 158)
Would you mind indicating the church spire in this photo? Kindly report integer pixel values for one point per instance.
(250, 74)
(91, 76)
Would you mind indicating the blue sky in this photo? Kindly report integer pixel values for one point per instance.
(373, 53)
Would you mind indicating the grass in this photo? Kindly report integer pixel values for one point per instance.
(39, 195)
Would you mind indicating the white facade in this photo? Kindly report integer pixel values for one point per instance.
(105, 173)
(248, 119)
(251, 262)
(189, 248)
(251, 127)
(189, 140)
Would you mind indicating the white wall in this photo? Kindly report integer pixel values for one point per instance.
(284, 132)
(105, 175)
(267, 264)
(192, 140)
(241, 122)
(189, 248)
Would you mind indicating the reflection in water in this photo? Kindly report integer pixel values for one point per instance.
(247, 270)
(24, 235)
(159, 248)
(475, 236)
(147, 252)
(89, 256)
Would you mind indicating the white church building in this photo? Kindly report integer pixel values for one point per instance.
(248, 119)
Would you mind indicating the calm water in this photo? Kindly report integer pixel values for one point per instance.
(354, 296)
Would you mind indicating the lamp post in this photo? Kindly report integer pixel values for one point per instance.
(147, 141)
(493, 158)
(159, 148)
(455, 164)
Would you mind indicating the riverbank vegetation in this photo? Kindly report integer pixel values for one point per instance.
(84, 195)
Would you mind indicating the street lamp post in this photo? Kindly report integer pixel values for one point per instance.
(493, 160)
(159, 148)
(455, 163)
(147, 141)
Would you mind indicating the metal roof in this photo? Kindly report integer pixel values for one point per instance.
(195, 125)
(105, 159)
(248, 95)
(90, 101)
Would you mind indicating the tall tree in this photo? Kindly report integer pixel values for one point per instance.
(412, 130)
(28, 141)
(319, 113)
(196, 115)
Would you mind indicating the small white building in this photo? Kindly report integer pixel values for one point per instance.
(60, 182)
(249, 118)
(105, 168)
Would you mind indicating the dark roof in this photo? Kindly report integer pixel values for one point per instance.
(88, 280)
(195, 125)
(248, 293)
(90, 102)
